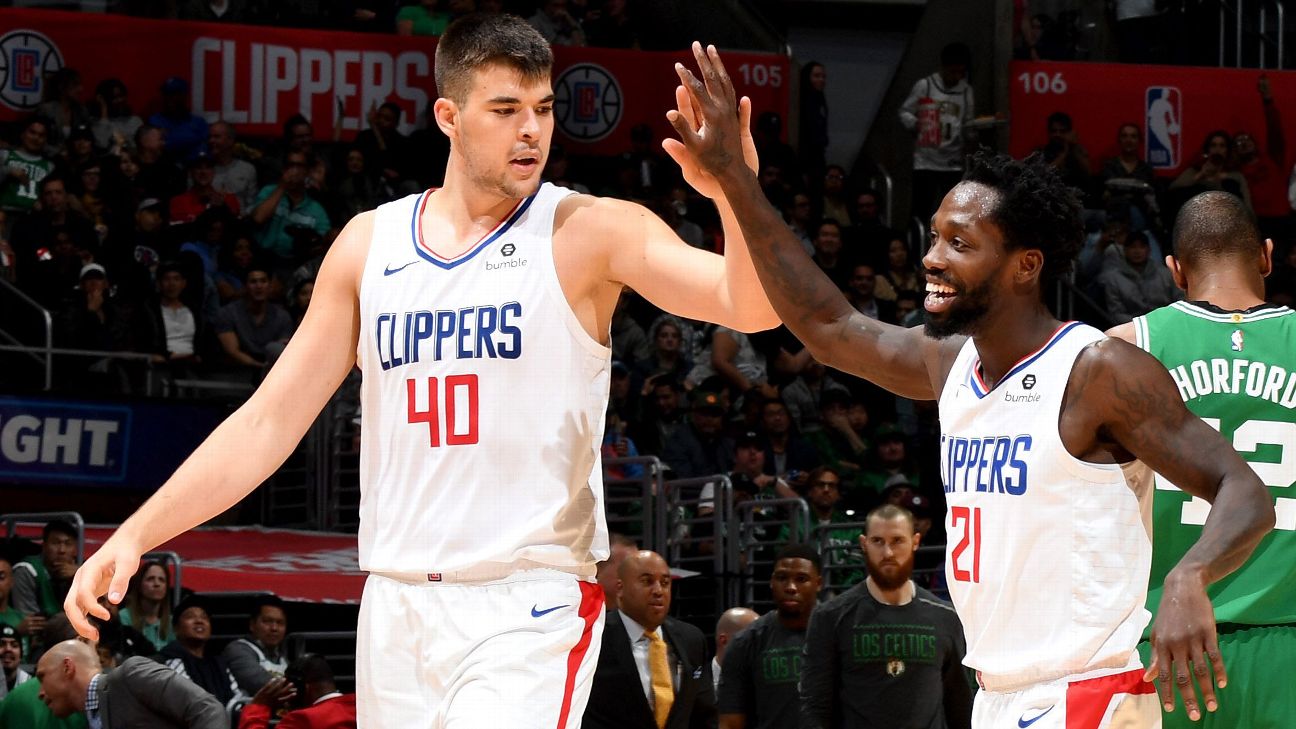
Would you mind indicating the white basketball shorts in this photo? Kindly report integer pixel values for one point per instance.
(1118, 701)
(515, 652)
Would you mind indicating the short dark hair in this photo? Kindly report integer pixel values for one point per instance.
(1215, 225)
(1036, 208)
(800, 550)
(170, 266)
(293, 121)
(478, 40)
(309, 668)
(1062, 118)
(261, 602)
(887, 512)
(828, 221)
(956, 54)
(61, 527)
(394, 108)
(50, 179)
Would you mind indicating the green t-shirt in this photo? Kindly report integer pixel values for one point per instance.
(23, 709)
(1237, 371)
(21, 196)
(425, 23)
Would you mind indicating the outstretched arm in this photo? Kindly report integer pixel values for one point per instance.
(901, 360)
(245, 449)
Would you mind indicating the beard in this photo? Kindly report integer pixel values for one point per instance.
(890, 580)
(963, 317)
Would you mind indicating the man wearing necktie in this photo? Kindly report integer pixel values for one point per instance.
(653, 671)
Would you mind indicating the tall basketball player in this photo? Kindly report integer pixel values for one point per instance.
(1233, 359)
(479, 314)
(1042, 422)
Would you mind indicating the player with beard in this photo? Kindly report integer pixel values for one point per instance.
(1044, 424)
(885, 652)
(758, 686)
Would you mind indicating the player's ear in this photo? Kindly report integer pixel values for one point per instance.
(917, 539)
(1266, 258)
(1030, 265)
(1176, 273)
(446, 114)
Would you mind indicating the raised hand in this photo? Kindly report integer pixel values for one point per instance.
(713, 124)
(1185, 648)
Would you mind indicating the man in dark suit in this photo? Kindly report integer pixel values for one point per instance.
(137, 694)
(653, 671)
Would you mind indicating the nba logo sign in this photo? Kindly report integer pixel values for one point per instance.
(1163, 114)
(26, 58)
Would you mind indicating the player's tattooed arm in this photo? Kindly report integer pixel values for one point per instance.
(1136, 407)
(809, 303)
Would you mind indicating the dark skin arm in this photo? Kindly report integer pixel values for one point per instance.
(901, 360)
(1120, 405)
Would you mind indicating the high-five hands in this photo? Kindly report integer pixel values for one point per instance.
(713, 124)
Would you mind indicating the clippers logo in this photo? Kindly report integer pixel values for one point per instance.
(587, 102)
(1164, 116)
(26, 58)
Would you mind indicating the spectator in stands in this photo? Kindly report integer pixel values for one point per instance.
(386, 149)
(900, 273)
(157, 176)
(62, 107)
(662, 417)
(804, 396)
(1121, 176)
(1134, 284)
(839, 546)
(861, 292)
(635, 685)
(230, 173)
(253, 330)
(11, 658)
(1265, 169)
(620, 547)
(201, 195)
(778, 154)
(799, 214)
(688, 231)
(8, 256)
(628, 338)
(886, 652)
(421, 18)
(787, 456)
(137, 693)
(1214, 170)
(734, 358)
(186, 132)
(24, 167)
(611, 26)
(299, 300)
(1065, 153)
(813, 129)
(213, 11)
(187, 655)
(730, 625)
(176, 327)
(95, 203)
(117, 641)
(936, 110)
(834, 204)
(26, 624)
(40, 582)
(902, 494)
(147, 606)
(891, 461)
(259, 656)
(842, 443)
(78, 151)
(828, 252)
(763, 665)
(232, 264)
(357, 188)
(698, 448)
(867, 237)
(556, 24)
(51, 244)
(668, 358)
(309, 687)
(557, 170)
(285, 204)
(114, 123)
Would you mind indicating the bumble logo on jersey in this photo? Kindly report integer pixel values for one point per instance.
(475, 332)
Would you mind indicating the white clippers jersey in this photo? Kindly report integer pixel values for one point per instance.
(483, 403)
(1048, 556)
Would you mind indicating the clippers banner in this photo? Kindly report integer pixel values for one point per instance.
(257, 77)
(1175, 106)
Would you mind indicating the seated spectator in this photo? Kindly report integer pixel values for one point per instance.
(253, 330)
(22, 168)
(1215, 169)
(147, 607)
(187, 655)
(258, 657)
(96, 204)
(805, 395)
(556, 24)
(557, 169)
(687, 230)
(698, 448)
(628, 338)
(734, 358)
(861, 292)
(176, 327)
(778, 154)
(117, 642)
(890, 464)
(867, 237)
(823, 493)
(842, 443)
(786, 454)
(230, 173)
(40, 582)
(386, 150)
(201, 195)
(158, 175)
(798, 211)
(114, 124)
(315, 701)
(668, 358)
(285, 204)
(27, 625)
(1133, 284)
(421, 18)
(62, 107)
(52, 243)
(611, 26)
(1128, 178)
(99, 318)
(900, 274)
(1065, 153)
(232, 264)
(357, 189)
(186, 132)
(299, 300)
(78, 151)
(662, 414)
(11, 658)
(828, 252)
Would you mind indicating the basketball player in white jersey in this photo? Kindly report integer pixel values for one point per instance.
(479, 314)
(1042, 422)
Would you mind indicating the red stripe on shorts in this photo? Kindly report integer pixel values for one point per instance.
(590, 607)
(1088, 700)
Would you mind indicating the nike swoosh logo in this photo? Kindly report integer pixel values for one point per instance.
(536, 613)
(387, 271)
(1024, 722)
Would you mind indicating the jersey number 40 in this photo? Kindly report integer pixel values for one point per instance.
(1247, 439)
(459, 394)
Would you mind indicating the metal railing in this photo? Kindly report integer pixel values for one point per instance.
(759, 534)
(11, 522)
(46, 319)
(631, 503)
(1261, 10)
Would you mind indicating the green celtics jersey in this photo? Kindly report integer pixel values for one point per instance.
(1237, 371)
(21, 196)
